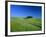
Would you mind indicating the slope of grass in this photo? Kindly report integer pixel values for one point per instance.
(20, 24)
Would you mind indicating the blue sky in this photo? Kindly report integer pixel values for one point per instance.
(24, 11)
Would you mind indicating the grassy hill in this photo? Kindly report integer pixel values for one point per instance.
(21, 24)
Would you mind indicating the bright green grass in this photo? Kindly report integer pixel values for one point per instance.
(21, 24)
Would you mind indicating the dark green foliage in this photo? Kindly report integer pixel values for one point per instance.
(28, 17)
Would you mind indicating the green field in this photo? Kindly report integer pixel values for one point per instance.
(18, 24)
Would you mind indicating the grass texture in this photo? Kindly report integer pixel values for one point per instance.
(18, 24)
